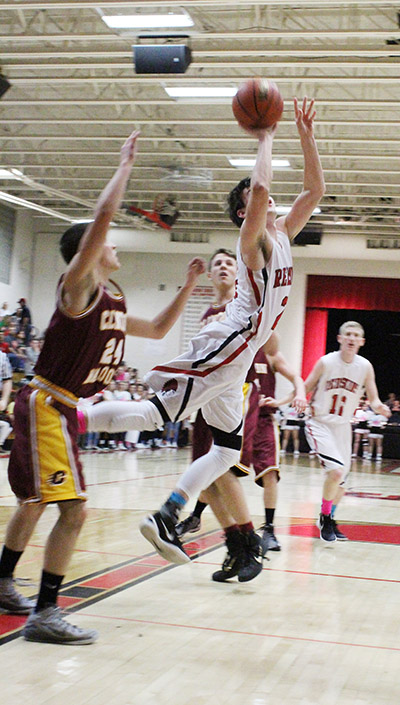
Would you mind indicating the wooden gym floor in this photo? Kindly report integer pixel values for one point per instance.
(320, 625)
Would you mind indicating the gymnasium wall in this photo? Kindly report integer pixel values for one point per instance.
(142, 273)
(22, 255)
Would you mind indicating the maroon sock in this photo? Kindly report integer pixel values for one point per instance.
(246, 528)
(231, 529)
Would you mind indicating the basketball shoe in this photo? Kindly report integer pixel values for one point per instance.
(253, 557)
(49, 626)
(159, 529)
(325, 525)
(188, 526)
(243, 559)
(234, 559)
(339, 535)
(269, 542)
(12, 601)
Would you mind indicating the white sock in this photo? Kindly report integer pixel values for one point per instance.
(117, 416)
(203, 471)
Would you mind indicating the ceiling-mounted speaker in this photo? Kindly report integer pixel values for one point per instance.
(4, 85)
(308, 236)
(163, 58)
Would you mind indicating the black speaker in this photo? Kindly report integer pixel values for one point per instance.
(308, 236)
(163, 58)
(4, 85)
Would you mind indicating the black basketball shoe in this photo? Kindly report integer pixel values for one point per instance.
(339, 534)
(159, 529)
(325, 525)
(253, 557)
(234, 559)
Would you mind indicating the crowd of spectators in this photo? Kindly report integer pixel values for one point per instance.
(126, 386)
(21, 345)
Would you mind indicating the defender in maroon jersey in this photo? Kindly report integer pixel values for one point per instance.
(83, 346)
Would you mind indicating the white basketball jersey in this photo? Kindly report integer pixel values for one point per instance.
(261, 296)
(339, 388)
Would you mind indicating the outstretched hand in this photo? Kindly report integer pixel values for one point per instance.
(261, 132)
(129, 148)
(196, 267)
(304, 116)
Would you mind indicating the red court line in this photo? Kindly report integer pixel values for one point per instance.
(115, 578)
(10, 622)
(132, 479)
(372, 533)
(243, 633)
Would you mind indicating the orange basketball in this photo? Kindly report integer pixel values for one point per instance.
(257, 103)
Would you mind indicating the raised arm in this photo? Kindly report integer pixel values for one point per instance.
(78, 278)
(159, 326)
(373, 396)
(255, 248)
(313, 179)
(298, 395)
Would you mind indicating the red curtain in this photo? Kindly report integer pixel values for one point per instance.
(315, 328)
(327, 292)
(360, 293)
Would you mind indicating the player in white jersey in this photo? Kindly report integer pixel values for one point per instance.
(210, 374)
(338, 381)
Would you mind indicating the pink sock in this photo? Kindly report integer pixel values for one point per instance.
(326, 506)
(81, 421)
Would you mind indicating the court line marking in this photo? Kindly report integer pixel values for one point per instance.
(156, 570)
(243, 633)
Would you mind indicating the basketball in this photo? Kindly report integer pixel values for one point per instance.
(257, 104)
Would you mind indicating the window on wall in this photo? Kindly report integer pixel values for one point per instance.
(7, 225)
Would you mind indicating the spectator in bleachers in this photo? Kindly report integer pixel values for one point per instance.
(31, 354)
(24, 321)
(5, 381)
(5, 312)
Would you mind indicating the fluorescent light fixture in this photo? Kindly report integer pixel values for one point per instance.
(147, 21)
(10, 173)
(200, 91)
(284, 210)
(248, 162)
(15, 200)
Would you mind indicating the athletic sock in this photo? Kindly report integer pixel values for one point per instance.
(199, 509)
(8, 561)
(49, 587)
(326, 506)
(269, 515)
(228, 530)
(177, 498)
(246, 528)
(333, 510)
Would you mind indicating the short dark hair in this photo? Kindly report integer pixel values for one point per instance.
(235, 201)
(70, 241)
(220, 251)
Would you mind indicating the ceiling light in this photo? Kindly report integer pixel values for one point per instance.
(147, 21)
(249, 162)
(15, 200)
(10, 173)
(284, 210)
(200, 91)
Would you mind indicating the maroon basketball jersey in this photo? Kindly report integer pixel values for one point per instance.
(261, 373)
(212, 311)
(81, 353)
